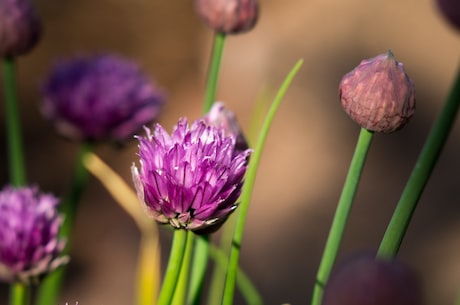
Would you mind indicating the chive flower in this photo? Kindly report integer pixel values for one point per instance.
(29, 242)
(20, 27)
(101, 97)
(364, 279)
(378, 94)
(192, 178)
(228, 16)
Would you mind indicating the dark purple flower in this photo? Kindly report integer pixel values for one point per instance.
(29, 243)
(192, 178)
(20, 27)
(450, 9)
(100, 98)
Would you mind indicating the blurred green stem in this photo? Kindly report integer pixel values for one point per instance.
(181, 289)
(49, 288)
(19, 294)
(341, 214)
(232, 271)
(429, 155)
(13, 125)
(174, 267)
(199, 266)
(213, 72)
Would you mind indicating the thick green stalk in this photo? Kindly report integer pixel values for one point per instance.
(199, 266)
(230, 281)
(181, 288)
(341, 214)
(19, 294)
(49, 288)
(173, 268)
(213, 72)
(420, 174)
(13, 125)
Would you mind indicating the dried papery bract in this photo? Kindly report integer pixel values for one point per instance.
(378, 94)
(365, 280)
(228, 16)
(29, 225)
(20, 27)
(102, 97)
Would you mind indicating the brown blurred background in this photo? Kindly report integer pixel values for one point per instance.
(308, 150)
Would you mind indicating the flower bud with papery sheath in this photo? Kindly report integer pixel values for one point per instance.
(29, 242)
(228, 16)
(365, 280)
(378, 94)
(20, 27)
(192, 178)
(102, 97)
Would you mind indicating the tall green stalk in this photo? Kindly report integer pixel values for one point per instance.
(50, 287)
(429, 155)
(230, 281)
(19, 294)
(341, 214)
(213, 72)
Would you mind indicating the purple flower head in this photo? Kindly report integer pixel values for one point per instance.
(192, 178)
(100, 98)
(29, 243)
(20, 27)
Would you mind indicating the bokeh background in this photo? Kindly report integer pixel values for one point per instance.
(308, 150)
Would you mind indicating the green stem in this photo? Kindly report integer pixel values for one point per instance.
(174, 266)
(429, 155)
(181, 288)
(49, 289)
(341, 214)
(199, 266)
(213, 72)
(13, 125)
(19, 294)
(232, 271)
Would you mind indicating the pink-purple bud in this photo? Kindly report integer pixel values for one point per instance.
(20, 27)
(365, 280)
(228, 16)
(450, 9)
(378, 94)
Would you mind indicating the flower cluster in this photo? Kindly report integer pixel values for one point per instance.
(29, 243)
(192, 178)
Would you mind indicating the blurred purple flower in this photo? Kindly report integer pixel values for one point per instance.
(100, 98)
(29, 243)
(20, 27)
(192, 178)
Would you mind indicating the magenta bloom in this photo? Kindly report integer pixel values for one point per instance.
(29, 243)
(100, 98)
(192, 178)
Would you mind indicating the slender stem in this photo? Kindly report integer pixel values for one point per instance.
(13, 125)
(199, 266)
(174, 266)
(420, 174)
(213, 72)
(49, 288)
(230, 281)
(181, 288)
(19, 294)
(341, 214)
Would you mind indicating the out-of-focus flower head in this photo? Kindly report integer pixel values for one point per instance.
(192, 178)
(364, 280)
(378, 94)
(29, 243)
(102, 97)
(221, 117)
(20, 27)
(228, 16)
(450, 9)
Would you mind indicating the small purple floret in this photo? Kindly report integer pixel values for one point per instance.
(100, 98)
(29, 243)
(192, 178)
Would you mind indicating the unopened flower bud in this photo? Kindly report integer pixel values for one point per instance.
(221, 117)
(378, 94)
(20, 27)
(451, 11)
(228, 16)
(364, 280)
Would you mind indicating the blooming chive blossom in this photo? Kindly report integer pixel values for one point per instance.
(29, 243)
(100, 98)
(192, 178)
